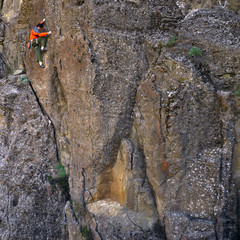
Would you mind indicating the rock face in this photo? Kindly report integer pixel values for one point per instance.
(31, 208)
(147, 132)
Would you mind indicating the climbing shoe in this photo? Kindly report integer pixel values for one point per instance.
(42, 66)
(43, 49)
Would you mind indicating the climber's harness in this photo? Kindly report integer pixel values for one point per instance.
(30, 44)
(36, 40)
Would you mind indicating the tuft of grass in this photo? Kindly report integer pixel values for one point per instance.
(23, 79)
(51, 180)
(61, 179)
(237, 93)
(171, 42)
(9, 69)
(195, 51)
(160, 44)
(85, 232)
(61, 171)
(78, 209)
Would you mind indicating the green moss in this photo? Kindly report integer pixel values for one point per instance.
(85, 232)
(78, 209)
(51, 180)
(61, 179)
(195, 51)
(9, 70)
(23, 79)
(160, 44)
(171, 42)
(61, 170)
(237, 93)
(53, 56)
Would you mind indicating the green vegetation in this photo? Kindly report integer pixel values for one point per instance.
(237, 93)
(53, 56)
(51, 180)
(78, 209)
(61, 171)
(23, 79)
(195, 51)
(86, 233)
(160, 44)
(61, 179)
(9, 70)
(171, 42)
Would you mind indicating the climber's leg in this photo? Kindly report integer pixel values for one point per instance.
(42, 42)
(36, 44)
(38, 54)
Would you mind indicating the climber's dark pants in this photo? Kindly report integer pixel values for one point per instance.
(37, 44)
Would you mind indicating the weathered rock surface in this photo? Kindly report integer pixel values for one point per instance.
(31, 208)
(148, 135)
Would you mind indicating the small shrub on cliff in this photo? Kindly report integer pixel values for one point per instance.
(9, 70)
(160, 44)
(23, 79)
(85, 232)
(237, 93)
(171, 42)
(61, 171)
(61, 179)
(78, 209)
(195, 51)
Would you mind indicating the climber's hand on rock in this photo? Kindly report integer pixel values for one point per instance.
(49, 32)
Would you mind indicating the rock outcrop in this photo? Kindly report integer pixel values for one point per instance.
(147, 132)
(31, 207)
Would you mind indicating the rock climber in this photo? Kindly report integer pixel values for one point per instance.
(38, 41)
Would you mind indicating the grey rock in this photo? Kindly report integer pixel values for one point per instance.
(31, 208)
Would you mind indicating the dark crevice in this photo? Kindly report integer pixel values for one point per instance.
(73, 213)
(96, 228)
(83, 189)
(79, 2)
(133, 222)
(132, 156)
(158, 229)
(7, 216)
(238, 212)
(221, 170)
(63, 183)
(57, 94)
(205, 74)
(1, 2)
(60, 64)
(51, 123)
(215, 230)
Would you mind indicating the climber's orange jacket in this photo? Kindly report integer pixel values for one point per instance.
(35, 33)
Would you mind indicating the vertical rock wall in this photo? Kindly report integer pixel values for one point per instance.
(31, 205)
(147, 134)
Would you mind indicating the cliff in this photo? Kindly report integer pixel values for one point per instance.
(129, 132)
